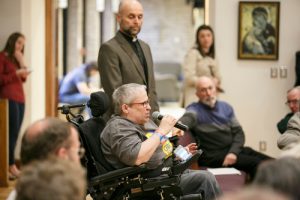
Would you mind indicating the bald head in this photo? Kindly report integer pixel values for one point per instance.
(206, 91)
(37, 128)
(130, 17)
(129, 4)
(44, 137)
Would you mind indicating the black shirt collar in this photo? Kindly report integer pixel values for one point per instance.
(128, 37)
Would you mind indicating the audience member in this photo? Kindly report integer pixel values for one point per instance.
(51, 179)
(13, 73)
(292, 135)
(282, 175)
(292, 151)
(75, 88)
(261, 37)
(124, 141)
(63, 136)
(200, 61)
(293, 100)
(218, 132)
(257, 193)
(125, 58)
(47, 138)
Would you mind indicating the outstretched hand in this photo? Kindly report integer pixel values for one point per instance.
(192, 148)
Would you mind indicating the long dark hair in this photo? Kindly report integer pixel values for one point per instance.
(10, 45)
(211, 51)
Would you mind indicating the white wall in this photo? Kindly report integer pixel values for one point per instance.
(33, 26)
(258, 100)
(28, 17)
(9, 19)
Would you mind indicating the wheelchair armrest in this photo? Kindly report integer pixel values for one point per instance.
(179, 168)
(113, 175)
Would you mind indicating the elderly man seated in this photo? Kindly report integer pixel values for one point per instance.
(218, 132)
(293, 97)
(292, 135)
(124, 140)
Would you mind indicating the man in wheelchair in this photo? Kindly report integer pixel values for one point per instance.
(125, 141)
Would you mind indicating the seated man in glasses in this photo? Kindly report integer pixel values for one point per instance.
(218, 132)
(291, 136)
(124, 140)
(293, 97)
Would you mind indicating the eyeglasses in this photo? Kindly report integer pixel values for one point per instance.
(81, 152)
(294, 101)
(144, 104)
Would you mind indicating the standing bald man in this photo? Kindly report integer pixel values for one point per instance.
(125, 58)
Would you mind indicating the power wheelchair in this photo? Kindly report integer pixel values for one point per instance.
(107, 183)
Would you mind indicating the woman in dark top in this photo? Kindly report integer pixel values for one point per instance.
(13, 74)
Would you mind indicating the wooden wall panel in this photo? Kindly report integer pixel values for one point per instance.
(3, 143)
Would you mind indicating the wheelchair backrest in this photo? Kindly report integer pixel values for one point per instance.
(90, 131)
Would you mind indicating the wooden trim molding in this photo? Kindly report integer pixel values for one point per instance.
(4, 143)
(50, 71)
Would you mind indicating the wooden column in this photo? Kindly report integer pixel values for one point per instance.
(3, 143)
(51, 73)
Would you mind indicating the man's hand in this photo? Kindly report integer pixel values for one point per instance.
(166, 124)
(230, 159)
(192, 148)
(178, 132)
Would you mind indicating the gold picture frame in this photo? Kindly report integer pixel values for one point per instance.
(258, 30)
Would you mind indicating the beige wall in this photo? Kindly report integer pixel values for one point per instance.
(10, 19)
(258, 100)
(28, 17)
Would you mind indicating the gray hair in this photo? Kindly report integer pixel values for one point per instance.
(297, 88)
(125, 94)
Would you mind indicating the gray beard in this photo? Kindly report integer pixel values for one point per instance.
(211, 102)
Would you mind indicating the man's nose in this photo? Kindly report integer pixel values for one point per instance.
(208, 92)
(148, 107)
(136, 20)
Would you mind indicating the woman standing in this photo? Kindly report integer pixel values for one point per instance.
(200, 61)
(13, 72)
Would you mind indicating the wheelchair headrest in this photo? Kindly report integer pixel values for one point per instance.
(98, 103)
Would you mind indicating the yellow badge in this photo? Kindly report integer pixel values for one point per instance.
(167, 146)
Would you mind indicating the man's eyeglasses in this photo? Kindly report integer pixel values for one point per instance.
(81, 152)
(295, 101)
(144, 104)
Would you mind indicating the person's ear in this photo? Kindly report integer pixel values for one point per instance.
(197, 93)
(62, 153)
(125, 108)
(119, 18)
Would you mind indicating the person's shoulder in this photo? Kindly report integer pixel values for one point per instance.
(194, 106)
(116, 121)
(224, 104)
(194, 52)
(295, 119)
(110, 42)
(142, 42)
(3, 55)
